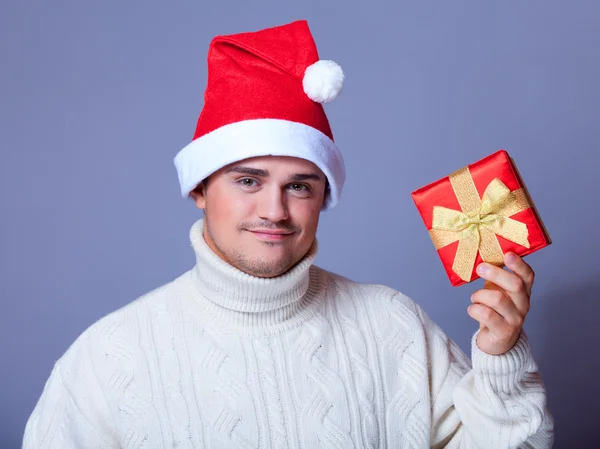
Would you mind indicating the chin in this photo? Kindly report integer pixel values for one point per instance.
(268, 266)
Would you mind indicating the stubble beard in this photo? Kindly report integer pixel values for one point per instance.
(253, 266)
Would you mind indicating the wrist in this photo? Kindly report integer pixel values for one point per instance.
(503, 371)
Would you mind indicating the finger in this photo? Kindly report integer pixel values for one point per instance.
(514, 286)
(489, 318)
(523, 310)
(521, 269)
(497, 300)
(491, 286)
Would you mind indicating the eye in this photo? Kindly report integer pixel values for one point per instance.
(247, 182)
(300, 187)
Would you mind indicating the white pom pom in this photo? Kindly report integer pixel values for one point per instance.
(323, 81)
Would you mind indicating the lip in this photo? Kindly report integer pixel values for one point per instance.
(269, 234)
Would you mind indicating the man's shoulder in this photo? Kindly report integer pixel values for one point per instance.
(121, 325)
(374, 294)
(124, 314)
(382, 308)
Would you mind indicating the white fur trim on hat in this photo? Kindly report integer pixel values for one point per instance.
(261, 137)
(323, 81)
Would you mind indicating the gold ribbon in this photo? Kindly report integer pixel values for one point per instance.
(479, 222)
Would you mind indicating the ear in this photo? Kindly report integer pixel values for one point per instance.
(326, 193)
(199, 195)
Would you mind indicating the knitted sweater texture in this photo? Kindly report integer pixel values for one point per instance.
(220, 359)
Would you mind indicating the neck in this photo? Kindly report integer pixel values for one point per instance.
(235, 301)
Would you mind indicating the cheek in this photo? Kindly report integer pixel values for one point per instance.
(227, 205)
(306, 214)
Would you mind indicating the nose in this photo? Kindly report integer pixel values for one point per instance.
(272, 205)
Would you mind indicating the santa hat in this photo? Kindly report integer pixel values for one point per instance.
(264, 97)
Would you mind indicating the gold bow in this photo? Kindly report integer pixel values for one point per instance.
(480, 221)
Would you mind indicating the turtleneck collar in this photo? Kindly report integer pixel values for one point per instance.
(234, 301)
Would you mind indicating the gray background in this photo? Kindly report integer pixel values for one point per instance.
(97, 98)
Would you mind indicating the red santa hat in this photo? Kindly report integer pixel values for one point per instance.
(264, 97)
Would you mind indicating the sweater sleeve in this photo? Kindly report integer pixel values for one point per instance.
(499, 401)
(71, 411)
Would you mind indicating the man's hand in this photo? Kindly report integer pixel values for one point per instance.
(502, 304)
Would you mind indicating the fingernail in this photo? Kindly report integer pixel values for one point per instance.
(483, 268)
(472, 297)
(510, 257)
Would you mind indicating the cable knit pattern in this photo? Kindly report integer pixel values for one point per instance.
(220, 359)
(407, 399)
(271, 393)
(361, 370)
(227, 398)
(132, 401)
(168, 361)
(321, 408)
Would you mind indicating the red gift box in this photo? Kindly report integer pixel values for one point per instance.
(479, 213)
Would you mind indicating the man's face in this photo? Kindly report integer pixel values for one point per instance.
(262, 213)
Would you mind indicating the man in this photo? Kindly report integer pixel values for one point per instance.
(255, 346)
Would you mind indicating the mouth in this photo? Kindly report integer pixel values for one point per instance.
(272, 235)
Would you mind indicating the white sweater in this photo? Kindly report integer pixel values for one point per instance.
(220, 359)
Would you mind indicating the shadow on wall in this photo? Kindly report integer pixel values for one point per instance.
(570, 363)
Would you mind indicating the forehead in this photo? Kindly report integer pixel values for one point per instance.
(278, 164)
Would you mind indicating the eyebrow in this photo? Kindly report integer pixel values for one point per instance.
(265, 173)
(248, 171)
(306, 177)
